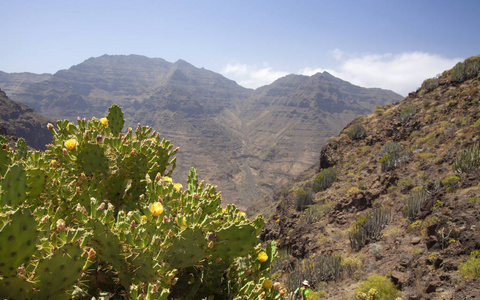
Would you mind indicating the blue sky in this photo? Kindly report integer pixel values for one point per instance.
(388, 44)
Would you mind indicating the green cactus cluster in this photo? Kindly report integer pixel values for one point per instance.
(97, 214)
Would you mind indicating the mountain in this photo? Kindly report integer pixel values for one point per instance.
(13, 82)
(245, 141)
(19, 120)
(393, 199)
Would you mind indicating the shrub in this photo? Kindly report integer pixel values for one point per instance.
(315, 269)
(466, 70)
(351, 264)
(393, 155)
(357, 132)
(430, 84)
(325, 179)
(407, 114)
(467, 160)
(414, 203)
(383, 287)
(368, 228)
(303, 199)
(315, 212)
(471, 267)
(451, 182)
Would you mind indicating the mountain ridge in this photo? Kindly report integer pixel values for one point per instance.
(223, 129)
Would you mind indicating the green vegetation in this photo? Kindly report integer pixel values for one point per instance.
(414, 203)
(315, 212)
(97, 215)
(378, 287)
(316, 269)
(351, 264)
(451, 182)
(303, 198)
(467, 160)
(471, 267)
(357, 132)
(368, 227)
(393, 155)
(325, 179)
(466, 70)
(430, 84)
(407, 114)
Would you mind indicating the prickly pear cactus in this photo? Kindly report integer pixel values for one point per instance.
(98, 215)
(115, 119)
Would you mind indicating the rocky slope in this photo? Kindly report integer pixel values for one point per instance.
(19, 120)
(247, 142)
(405, 202)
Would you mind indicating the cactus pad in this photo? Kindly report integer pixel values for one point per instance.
(115, 119)
(5, 158)
(92, 159)
(56, 274)
(18, 239)
(16, 288)
(14, 186)
(21, 148)
(233, 241)
(35, 183)
(188, 248)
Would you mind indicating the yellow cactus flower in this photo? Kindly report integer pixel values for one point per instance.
(104, 121)
(177, 186)
(224, 210)
(167, 179)
(144, 218)
(267, 284)
(71, 144)
(262, 256)
(156, 209)
(181, 221)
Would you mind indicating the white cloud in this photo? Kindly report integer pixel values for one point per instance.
(402, 73)
(252, 76)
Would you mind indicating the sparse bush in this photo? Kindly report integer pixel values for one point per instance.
(393, 155)
(368, 228)
(351, 264)
(283, 262)
(357, 132)
(471, 267)
(414, 202)
(467, 160)
(315, 269)
(430, 84)
(466, 70)
(451, 182)
(315, 212)
(325, 179)
(381, 287)
(407, 114)
(303, 199)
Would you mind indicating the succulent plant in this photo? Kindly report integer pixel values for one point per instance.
(98, 214)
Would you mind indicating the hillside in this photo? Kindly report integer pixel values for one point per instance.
(396, 194)
(19, 120)
(238, 139)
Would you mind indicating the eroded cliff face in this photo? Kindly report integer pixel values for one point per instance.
(19, 120)
(244, 141)
(404, 205)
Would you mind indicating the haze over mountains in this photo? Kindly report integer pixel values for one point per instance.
(245, 141)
